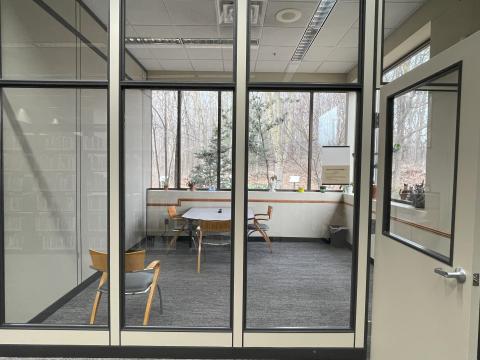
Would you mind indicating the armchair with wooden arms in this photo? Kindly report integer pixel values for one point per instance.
(259, 226)
(138, 279)
(208, 227)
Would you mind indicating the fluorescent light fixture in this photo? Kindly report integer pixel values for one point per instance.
(324, 9)
(183, 41)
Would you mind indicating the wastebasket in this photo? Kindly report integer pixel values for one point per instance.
(338, 235)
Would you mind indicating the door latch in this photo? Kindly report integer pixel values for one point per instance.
(458, 274)
(476, 279)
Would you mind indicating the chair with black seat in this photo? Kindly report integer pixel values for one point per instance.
(259, 226)
(138, 279)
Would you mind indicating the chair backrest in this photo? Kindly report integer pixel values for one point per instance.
(215, 226)
(270, 211)
(99, 260)
(172, 211)
(134, 260)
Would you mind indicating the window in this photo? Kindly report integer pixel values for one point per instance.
(421, 164)
(164, 137)
(415, 59)
(278, 139)
(205, 139)
(329, 128)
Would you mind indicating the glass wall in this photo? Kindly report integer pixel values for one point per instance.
(54, 40)
(55, 156)
(177, 158)
(180, 40)
(187, 234)
(304, 41)
(55, 203)
(299, 268)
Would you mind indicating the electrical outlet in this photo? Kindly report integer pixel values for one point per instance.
(167, 221)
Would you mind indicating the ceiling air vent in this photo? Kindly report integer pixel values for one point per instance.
(226, 11)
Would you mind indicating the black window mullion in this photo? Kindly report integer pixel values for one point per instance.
(219, 133)
(310, 140)
(178, 163)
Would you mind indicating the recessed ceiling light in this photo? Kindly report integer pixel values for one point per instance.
(288, 16)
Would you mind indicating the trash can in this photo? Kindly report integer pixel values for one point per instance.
(338, 235)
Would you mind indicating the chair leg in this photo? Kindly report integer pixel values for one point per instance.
(199, 255)
(93, 315)
(160, 299)
(172, 244)
(267, 239)
(98, 296)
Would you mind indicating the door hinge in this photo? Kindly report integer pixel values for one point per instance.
(476, 279)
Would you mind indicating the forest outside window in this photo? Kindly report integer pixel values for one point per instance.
(192, 138)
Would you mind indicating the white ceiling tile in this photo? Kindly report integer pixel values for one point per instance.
(275, 53)
(196, 31)
(165, 31)
(271, 66)
(192, 12)
(330, 35)
(350, 39)
(176, 65)
(308, 66)
(146, 12)
(335, 67)
(158, 52)
(348, 54)
(343, 15)
(207, 65)
(281, 36)
(318, 53)
(204, 53)
(151, 64)
(306, 8)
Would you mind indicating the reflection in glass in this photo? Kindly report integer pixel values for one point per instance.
(54, 40)
(180, 40)
(423, 157)
(177, 243)
(304, 41)
(55, 203)
(299, 249)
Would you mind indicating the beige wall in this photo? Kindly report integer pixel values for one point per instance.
(444, 22)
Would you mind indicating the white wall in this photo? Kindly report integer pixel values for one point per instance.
(137, 150)
(301, 215)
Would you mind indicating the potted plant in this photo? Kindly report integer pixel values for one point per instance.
(165, 184)
(417, 196)
(191, 185)
(405, 192)
(323, 188)
(273, 183)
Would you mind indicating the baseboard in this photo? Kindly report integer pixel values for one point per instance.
(51, 309)
(182, 353)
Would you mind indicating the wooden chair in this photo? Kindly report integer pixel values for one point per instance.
(179, 224)
(259, 225)
(208, 227)
(138, 279)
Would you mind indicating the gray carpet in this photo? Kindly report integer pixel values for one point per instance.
(300, 284)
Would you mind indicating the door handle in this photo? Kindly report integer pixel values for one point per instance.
(458, 274)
